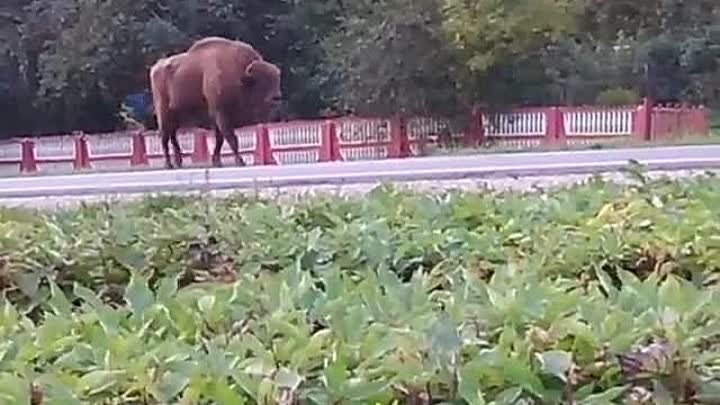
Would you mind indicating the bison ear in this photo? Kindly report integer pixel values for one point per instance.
(250, 71)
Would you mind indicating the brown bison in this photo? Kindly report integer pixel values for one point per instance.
(217, 84)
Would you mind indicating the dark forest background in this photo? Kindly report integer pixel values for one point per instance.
(70, 64)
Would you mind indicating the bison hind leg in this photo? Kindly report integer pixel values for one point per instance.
(177, 151)
(217, 152)
(227, 130)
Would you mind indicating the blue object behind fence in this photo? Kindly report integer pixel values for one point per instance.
(139, 104)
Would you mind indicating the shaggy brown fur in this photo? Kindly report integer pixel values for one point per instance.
(217, 84)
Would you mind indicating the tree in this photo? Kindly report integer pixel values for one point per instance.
(14, 94)
(295, 37)
(492, 32)
(675, 43)
(503, 47)
(646, 18)
(72, 62)
(390, 56)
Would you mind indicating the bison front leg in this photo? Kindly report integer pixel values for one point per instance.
(228, 132)
(233, 141)
(217, 157)
(165, 140)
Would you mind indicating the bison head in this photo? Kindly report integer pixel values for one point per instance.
(262, 79)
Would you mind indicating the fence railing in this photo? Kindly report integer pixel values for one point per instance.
(347, 139)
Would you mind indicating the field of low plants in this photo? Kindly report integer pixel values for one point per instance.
(595, 294)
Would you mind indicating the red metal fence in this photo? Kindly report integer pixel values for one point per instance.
(347, 139)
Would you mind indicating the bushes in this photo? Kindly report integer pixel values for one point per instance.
(618, 97)
(565, 233)
(470, 297)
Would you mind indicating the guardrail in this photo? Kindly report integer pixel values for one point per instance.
(444, 168)
(349, 138)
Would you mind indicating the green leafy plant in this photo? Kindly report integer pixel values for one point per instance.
(598, 293)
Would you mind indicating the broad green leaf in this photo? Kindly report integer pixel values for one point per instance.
(138, 295)
(52, 330)
(58, 302)
(133, 259)
(673, 293)
(519, 373)
(709, 392)
(87, 295)
(288, 379)
(206, 303)
(96, 382)
(444, 337)
(224, 395)
(257, 366)
(469, 386)
(170, 385)
(168, 288)
(28, 283)
(335, 375)
(359, 391)
(606, 282)
(14, 390)
(585, 391)
(57, 390)
(218, 363)
(603, 398)
(556, 362)
(508, 396)
(8, 351)
(265, 392)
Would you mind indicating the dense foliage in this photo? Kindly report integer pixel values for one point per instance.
(597, 294)
(73, 62)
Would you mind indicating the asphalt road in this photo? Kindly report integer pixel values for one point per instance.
(336, 173)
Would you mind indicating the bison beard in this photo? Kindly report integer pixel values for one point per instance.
(216, 84)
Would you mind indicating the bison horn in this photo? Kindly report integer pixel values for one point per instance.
(250, 72)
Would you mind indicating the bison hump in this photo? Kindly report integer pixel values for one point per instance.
(168, 63)
(210, 41)
(219, 42)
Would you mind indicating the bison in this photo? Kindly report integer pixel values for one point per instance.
(217, 84)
